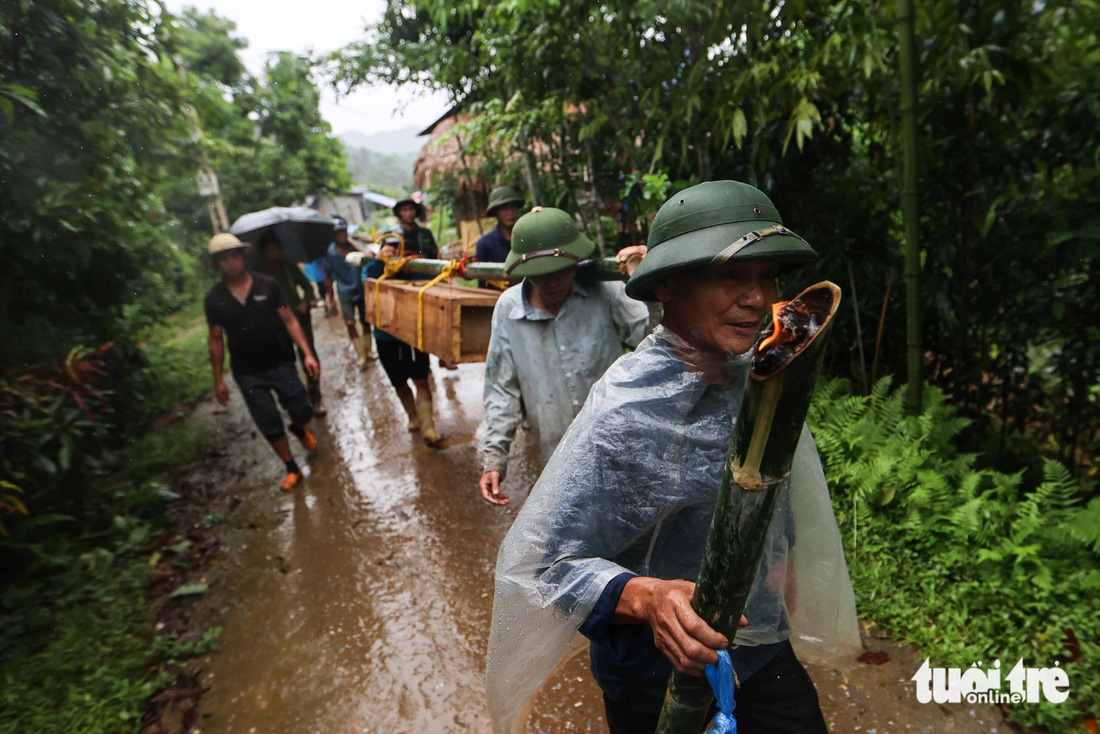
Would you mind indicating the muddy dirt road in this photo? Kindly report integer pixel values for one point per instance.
(361, 602)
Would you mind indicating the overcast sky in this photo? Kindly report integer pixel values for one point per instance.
(324, 25)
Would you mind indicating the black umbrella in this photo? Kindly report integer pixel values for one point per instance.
(304, 233)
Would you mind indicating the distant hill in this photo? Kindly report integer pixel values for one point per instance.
(383, 160)
(403, 140)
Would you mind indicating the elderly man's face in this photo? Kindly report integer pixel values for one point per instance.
(553, 288)
(720, 310)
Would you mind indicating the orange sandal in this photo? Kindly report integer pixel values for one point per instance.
(290, 481)
(308, 440)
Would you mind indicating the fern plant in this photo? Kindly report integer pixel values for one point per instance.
(966, 562)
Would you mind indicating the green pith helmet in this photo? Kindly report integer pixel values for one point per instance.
(500, 196)
(546, 240)
(714, 223)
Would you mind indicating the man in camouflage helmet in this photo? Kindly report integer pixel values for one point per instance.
(553, 336)
(612, 535)
(494, 245)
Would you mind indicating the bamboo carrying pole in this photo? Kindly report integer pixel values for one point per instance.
(769, 424)
(607, 268)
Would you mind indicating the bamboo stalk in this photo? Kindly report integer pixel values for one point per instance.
(606, 268)
(768, 428)
(909, 209)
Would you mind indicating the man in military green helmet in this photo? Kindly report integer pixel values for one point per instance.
(610, 540)
(553, 337)
(494, 245)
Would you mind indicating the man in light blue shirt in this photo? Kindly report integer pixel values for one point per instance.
(553, 338)
(348, 282)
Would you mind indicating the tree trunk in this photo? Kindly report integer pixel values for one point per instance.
(531, 171)
(594, 190)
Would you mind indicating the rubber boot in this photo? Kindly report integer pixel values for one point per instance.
(362, 349)
(368, 344)
(408, 402)
(427, 423)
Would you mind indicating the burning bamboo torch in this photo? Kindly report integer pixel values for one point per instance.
(782, 376)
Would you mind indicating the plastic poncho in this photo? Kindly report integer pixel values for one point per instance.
(631, 487)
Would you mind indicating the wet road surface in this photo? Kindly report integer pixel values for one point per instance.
(361, 602)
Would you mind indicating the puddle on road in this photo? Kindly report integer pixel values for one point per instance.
(362, 602)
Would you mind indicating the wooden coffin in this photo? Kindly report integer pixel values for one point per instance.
(457, 320)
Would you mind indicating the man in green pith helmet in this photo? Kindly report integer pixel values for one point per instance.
(494, 245)
(611, 538)
(553, 337)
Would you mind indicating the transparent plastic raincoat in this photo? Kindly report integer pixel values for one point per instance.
(631, 487)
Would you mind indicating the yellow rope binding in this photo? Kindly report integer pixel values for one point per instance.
(444, 273)
(393, 266)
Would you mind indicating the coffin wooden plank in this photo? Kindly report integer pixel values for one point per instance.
(457, 319)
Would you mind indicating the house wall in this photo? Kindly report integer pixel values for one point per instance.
(351, 207)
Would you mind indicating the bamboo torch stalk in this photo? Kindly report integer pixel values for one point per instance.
(769, 425)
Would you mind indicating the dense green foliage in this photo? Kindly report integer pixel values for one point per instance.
(78, 651)
(801, 99)
(93, 126)
(101, 222)
(100, 228)
(968, 563)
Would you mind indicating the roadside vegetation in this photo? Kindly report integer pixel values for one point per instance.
(102, 341)
(80, 652)
(968, 563)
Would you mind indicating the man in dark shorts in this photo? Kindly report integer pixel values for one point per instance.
(249, 309)
(298, 291)
(404, 362)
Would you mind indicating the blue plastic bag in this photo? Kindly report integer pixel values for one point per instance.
(722, 682)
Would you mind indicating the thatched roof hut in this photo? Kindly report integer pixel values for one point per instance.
(442, 159)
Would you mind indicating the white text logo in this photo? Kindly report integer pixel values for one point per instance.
(978, 685)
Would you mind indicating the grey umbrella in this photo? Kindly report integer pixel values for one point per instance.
(304, 233)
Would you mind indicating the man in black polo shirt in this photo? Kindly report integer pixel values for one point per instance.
(249, 308)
